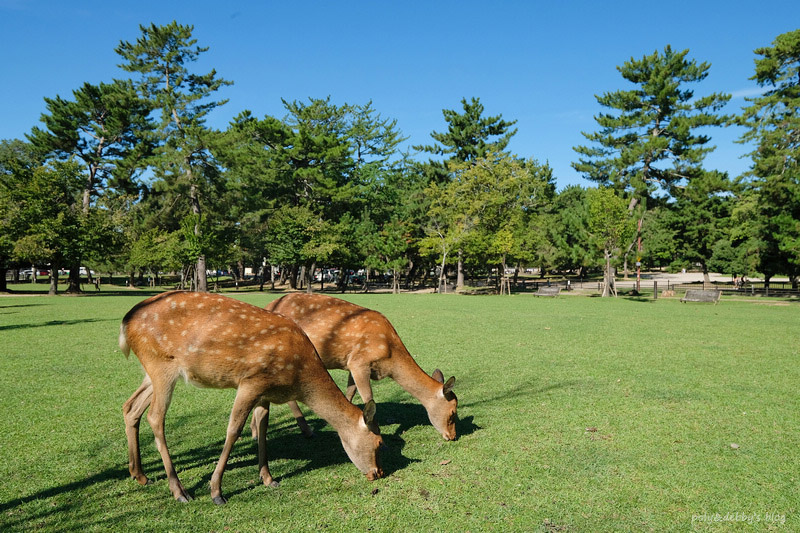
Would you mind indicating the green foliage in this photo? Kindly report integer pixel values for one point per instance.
(105, 126)
(55, 228)
(568, 229)
(160, 56)
(611, 226)
(469, 136)
(157, 250)
(648, 140)
(610, 221)
(659, 236)
(773, 122)
(182, 159)
(700, 216)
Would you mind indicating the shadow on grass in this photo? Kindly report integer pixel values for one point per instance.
(111, 291)
(18, 305)
(283, 442)
(57, 323)
(106, 475)
(526, 389)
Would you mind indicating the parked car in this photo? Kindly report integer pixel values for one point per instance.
(27, 273)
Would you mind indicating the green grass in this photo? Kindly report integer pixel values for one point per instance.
(577, 414)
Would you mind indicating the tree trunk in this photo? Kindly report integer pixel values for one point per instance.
(504, 281)
(201, 277)
(310, 277)
(443, 274)
(460, 271)
(3, 283)
(625, 259)
(54, 279)
(410, 274)
(73, 281)
(293, 277)
(609, 285)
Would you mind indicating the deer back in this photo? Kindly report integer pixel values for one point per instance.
(218, 342)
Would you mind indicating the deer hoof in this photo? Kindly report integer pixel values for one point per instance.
(219, 500)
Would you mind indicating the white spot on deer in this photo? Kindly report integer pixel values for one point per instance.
(200, 305)
(183, 304)
(290, 366)
(173, 304)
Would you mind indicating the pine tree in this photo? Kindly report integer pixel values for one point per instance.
(161, 57)
(773, 122)
(647, 141)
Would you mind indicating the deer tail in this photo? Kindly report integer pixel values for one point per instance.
(123, 340)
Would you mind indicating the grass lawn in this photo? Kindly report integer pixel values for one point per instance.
(576, 414)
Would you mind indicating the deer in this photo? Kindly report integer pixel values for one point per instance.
(218, 342)
(364, 342)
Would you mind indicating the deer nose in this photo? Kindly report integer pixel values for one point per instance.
(374, 474)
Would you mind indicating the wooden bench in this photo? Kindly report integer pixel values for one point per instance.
(548, 291)
(701, 295)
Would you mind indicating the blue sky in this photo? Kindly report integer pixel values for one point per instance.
(540, 63)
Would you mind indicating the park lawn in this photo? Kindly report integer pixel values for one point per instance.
(576, 414)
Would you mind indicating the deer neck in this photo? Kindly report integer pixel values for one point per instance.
(407, 373)
(328, 402)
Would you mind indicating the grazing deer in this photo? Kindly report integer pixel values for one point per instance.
(362, 341)
(218, 342)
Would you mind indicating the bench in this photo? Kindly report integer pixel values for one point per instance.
(701, 295)
(548, 291)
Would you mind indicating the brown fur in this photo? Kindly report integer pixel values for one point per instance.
(365, 343)
(218, 342)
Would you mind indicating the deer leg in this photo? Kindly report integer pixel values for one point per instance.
(261, 418)
(242, 405)
(351, 388)
(162, 395)
(132, 411)
(360, 378)
(305, 429)
(254, 424)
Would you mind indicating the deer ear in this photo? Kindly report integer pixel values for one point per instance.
(369, 412)
(438, 376)
(447, 388)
